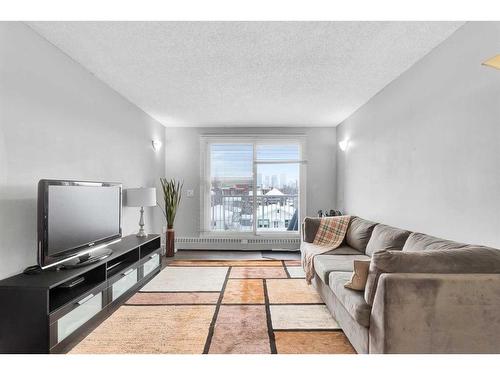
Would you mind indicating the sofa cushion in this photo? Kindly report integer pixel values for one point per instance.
(468, 260)
(358, 233)
(310, 227)
(385, 237)
(352, 300)
(465, 260)
(343, 250)
(324, 264)
(420, 241)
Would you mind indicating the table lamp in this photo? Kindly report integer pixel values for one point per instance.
(141, 197)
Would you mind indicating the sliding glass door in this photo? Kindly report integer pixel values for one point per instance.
(254, 187)
(231, 187)
(277, 177)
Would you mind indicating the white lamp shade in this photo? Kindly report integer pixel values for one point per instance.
(140, 197)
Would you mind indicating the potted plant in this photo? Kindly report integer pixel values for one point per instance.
(172, 191)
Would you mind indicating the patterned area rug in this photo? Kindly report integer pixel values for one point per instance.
(221, 307)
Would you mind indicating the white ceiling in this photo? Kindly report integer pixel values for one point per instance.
(247, 73)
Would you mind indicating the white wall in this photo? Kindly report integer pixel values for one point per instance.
(58, 121)
(425, 152)
(183, 162)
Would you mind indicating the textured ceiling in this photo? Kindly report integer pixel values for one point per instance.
(247, 73)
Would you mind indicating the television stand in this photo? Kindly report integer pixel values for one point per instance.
(86, 259)
(49, 312)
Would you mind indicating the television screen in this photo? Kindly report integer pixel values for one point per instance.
(75, 216)
(79, 215)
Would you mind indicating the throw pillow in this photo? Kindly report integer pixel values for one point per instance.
(359, 275)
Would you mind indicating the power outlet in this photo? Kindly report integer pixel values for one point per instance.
(190, 193)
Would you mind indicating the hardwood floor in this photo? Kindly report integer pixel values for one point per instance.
(235, 255)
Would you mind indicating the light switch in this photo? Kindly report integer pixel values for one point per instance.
(190, 193)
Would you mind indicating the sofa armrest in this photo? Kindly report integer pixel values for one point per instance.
(310, 227)
(436, 313)
(475, 260)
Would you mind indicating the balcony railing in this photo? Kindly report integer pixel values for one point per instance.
(235, 212)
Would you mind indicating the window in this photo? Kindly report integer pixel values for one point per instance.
(231, 185)
(253, 185)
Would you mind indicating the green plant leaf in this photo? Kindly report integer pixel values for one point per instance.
(172, 193)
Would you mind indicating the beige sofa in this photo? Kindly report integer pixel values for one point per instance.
(423, 295)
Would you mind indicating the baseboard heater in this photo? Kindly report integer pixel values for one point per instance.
(212, 243)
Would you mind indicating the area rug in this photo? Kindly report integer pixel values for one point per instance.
(221, 307)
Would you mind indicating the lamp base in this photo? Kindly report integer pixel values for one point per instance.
(141, 233)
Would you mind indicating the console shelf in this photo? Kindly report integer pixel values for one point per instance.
(41, 314)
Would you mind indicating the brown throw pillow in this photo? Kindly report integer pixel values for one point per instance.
(359, 275)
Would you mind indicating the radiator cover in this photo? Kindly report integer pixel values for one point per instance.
(216, 243)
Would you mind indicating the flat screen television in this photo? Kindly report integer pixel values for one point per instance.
(76, 218)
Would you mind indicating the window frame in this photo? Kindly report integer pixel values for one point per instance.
(205, 179)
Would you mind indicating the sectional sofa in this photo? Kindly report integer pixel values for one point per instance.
(423, 294)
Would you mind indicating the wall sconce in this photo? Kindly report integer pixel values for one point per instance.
(344, 144)
(494, 62)
(156, 144)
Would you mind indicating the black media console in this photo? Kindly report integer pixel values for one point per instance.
(42, 314)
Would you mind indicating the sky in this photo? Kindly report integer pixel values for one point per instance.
(236, 160)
